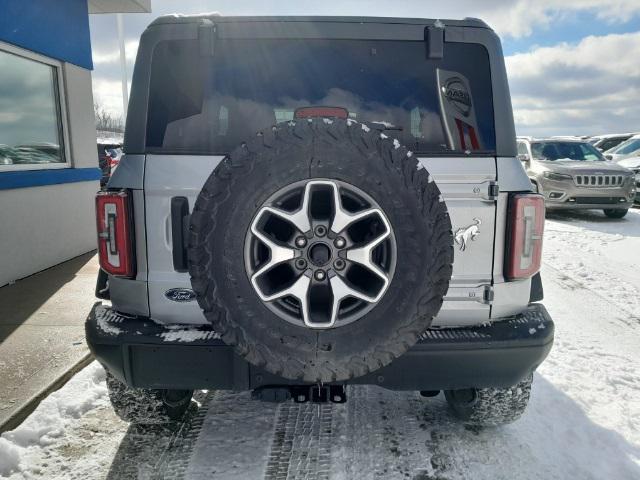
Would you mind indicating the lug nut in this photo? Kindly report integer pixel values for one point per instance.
(321, 231)
(339, 242)
(320, 275)
(301, 241)
(339, 264)
(301, 263)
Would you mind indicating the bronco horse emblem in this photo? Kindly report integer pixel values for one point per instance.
(466, 234)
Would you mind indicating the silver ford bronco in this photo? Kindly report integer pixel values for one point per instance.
(310, 203)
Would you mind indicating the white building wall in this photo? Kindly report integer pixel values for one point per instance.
(82, 123)
(43, 226)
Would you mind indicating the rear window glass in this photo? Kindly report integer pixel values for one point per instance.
(211, 104)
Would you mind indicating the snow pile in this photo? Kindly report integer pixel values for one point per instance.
(9, 457)
(49, 422)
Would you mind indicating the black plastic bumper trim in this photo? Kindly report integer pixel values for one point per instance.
(148, 355)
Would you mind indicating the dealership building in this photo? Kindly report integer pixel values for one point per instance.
(48, 156)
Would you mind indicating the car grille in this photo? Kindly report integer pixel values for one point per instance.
(598, 180)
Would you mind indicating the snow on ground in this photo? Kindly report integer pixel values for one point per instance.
(583, 421)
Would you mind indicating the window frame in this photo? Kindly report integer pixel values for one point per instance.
(61, 107)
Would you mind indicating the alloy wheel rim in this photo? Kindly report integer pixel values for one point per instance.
(320, 253)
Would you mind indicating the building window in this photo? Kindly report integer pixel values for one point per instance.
(32, 127)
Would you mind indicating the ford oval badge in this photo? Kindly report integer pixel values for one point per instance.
(180, 294)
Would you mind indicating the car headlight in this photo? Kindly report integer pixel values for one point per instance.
(557, 176)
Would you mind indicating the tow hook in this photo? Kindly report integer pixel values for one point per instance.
(301, 393)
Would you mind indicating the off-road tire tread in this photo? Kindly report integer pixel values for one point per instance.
(142, 406)
(241, 162)
(494, 406)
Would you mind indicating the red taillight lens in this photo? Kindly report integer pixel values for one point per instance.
(309, 112)
(526, 226)
(113, 214)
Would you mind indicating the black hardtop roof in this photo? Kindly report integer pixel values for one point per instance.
(216, 18)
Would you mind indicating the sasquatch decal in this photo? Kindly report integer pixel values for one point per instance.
(457, 111)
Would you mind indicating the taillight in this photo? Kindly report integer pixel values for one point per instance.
(113, 215)
(525, 229)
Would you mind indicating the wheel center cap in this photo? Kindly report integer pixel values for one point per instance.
(319, 254)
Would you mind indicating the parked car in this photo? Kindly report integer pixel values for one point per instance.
(609, 141)
(109, 153)
(285, 216)
(628, 148)
(572, 174)
(39, 152)
(6, 155)
(633, 164)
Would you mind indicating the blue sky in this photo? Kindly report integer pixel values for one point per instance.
(573, 65)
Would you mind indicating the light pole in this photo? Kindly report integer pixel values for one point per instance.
(123, 66)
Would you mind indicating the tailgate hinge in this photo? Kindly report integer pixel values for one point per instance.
(494, 190)
(481, 294)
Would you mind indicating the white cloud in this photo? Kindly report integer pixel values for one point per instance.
(521, 17)
(589, 87)
(102, 56)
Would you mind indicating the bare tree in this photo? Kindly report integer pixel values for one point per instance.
(106, 121)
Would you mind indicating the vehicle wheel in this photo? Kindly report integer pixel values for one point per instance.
(321, 249)
(490, 407)
(144, 406)
(615, 212)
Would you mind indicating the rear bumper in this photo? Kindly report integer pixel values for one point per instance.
(587, 206)
(148, 355)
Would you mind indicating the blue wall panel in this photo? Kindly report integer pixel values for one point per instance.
(40, 178)
(55, 28)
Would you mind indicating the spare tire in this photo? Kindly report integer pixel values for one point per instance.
(320, 249)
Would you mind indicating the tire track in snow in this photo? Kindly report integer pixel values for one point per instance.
(160, 451)
(301, 447)
(385, 434)
(175, 458)
(234, 440)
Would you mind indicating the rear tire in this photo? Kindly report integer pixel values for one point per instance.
(490, 407)
(615, 212)
(145, 406)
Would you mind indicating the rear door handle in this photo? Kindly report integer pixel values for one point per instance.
(179, 231)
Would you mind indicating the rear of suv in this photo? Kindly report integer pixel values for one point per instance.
(310, 203)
